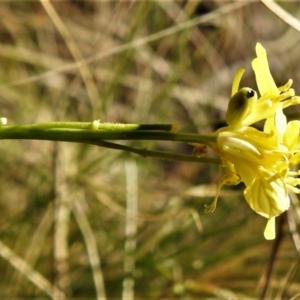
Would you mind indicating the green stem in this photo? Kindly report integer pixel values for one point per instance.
(97, 133)
(158, 154)
(95, 125)
(34, 132)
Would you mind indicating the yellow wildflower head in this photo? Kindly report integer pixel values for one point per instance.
(244, 113)
(262, 159)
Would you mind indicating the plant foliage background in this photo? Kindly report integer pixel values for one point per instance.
(82, 221)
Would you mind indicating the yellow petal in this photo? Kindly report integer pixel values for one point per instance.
(263, 110)
(267, 195)
(277, 125)
(270, 230)
(236, 81)
(262, 72)
(291, 137)
(249, 146)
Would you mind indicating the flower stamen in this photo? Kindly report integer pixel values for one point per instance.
(230, 178)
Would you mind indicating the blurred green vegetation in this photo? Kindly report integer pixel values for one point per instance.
(63, 206)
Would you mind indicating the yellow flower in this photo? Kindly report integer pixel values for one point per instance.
(260, 159)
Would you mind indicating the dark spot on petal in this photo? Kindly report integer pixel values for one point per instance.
(250, 94)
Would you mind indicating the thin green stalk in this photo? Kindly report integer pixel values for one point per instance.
(32, 132)
(96, 133)
(96, 125)
(158, 154)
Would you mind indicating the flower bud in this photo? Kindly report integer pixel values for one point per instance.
(240, 106)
